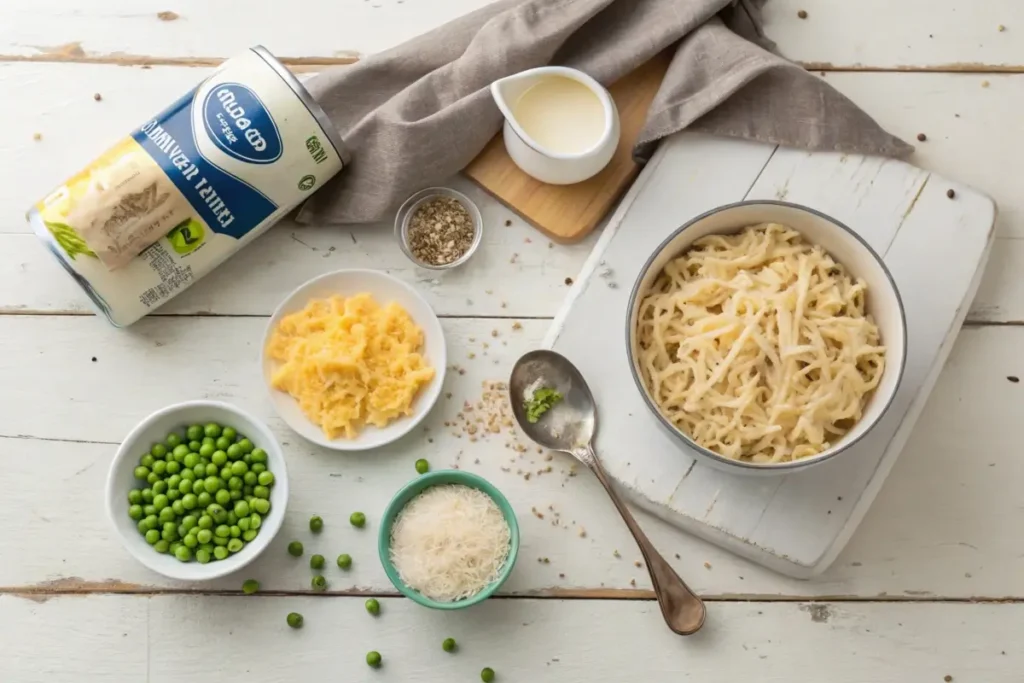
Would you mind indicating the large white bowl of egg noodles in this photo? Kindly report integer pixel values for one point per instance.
(766, 337)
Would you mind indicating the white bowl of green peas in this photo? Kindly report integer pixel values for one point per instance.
(197, 490)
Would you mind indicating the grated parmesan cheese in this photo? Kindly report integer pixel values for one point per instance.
(450, 542)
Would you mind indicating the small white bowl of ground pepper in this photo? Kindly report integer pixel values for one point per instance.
(438, 228)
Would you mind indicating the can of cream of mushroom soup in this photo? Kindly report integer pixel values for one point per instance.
(190, 186)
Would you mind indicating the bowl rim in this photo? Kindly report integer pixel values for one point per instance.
(217, 569)
(741, 464)
(411, 421)
(416, 486)
(404, 215)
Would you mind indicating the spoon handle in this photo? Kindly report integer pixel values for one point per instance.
(683, 611)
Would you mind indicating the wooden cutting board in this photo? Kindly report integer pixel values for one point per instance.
(567, 213)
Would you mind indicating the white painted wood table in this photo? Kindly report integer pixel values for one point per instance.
(931, 585)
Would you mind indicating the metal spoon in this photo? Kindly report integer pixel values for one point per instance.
(569, 427)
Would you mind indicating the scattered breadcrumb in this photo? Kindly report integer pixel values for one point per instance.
(508, 222)
(707, 565)
(984, 84)
(97, 97)
(1001, 28)
(802, 14)
(514, 258)
(517, 325)
(582, 532)
(568, 280)
(37, 136)
(167, 16)
(616, 554)
(632, 582)
(638, 564)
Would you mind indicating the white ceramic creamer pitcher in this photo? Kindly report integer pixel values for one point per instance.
(561, 126)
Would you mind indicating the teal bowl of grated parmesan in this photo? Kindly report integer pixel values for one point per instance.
(448, 540)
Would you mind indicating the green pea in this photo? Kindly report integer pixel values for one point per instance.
(373, 658)
(250, 478)
(135, 497)
(212, 484)
(234, 451)
(295, 549)
(255, 521)
(160, 487)
(250, 586)
(208, 440)
(204, 536)
(161, 546)
(344, 561)
(135, 512)
(223, 497)
(266, 479)
(189, 501)
(147, 495)
(188, 474)
(235, 483)
(143, 526)
(191, 460)
(147, 460)
(166, 515)
(178, 507)
(169, 535)
(212, 471)
(249, 535)
(247, 459)
(205, 499)
(422, 466)
(239, 468)
(235, 495)
(223, 444)
(232, 517)
(183, 553)
(243, 523)
(158, 450)
(220, 552)
(373, 607)
(225, 473)
(152, 478)
(319, 583)
(207, 450)
(152, 536)
(173, 494)
(194, 446)
(190, 541)
(235, 544)
(487, 674)
(257, 468)
(141, 472)
(202, 556)
(260, 492)
(181, 450)
(194, 432)
(160, 501)
(316, 524)
(185, 486)
(205, 521)
(212, 430)
(199, 470)
(148, 510)
(190, 522)
(236, 531)
(229, 433)
(152, 521)
(316, 562)
(258, 455)
(357, 519)
(261, 506)
(448, 645)
(172, 440)
(173, 467)
(294, 620)
(246, 446)
(219, 458)
(223, 531)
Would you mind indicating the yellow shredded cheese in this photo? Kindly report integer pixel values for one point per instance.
(450, 542)
(350, 362)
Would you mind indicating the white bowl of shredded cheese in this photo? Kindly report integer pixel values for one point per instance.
(354, 359)
(766, 337)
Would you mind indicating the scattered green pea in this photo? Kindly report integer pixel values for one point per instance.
(316, 524)
(448, 645)
(250, 586)
(316, 562)
(487, 674)
(422, 466)
(357, 519)
(373, 658)
(294, 620)
(319, 583)
(295, 549)
(373, 607)
(344, 561)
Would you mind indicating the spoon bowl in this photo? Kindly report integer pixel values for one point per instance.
(568, 426)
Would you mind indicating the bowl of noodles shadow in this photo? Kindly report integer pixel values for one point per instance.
(761, 351)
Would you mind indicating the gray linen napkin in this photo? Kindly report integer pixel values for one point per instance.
(419, 113)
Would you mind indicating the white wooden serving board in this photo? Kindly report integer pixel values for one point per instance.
(935, 247)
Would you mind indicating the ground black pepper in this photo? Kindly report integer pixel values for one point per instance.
(802, 14)
(440, 231)
(922, 137)
(950, 193)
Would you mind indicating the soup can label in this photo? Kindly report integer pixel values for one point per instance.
(190, 187)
